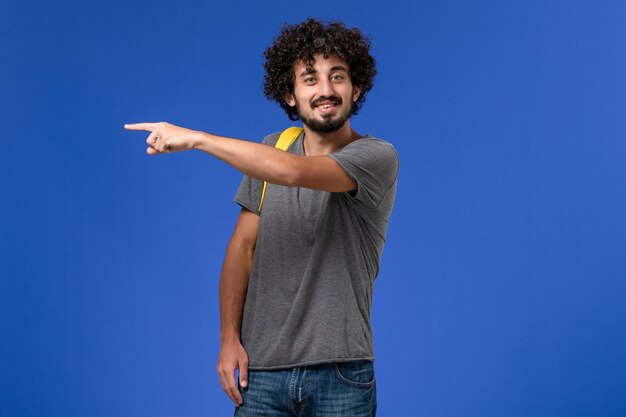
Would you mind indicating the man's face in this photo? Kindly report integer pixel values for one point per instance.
(323, 93)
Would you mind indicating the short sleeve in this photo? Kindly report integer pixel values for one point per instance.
(250, 189)
(372, 164)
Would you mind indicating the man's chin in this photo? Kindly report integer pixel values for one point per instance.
(327, 124)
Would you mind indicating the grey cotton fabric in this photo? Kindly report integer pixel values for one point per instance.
(317, 255)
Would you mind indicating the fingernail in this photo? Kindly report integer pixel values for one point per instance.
(244, 384)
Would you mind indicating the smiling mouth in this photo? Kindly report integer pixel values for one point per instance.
(326, 103)
(327, 109)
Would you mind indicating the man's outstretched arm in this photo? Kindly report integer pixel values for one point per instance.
(253, 159)
(233, 287)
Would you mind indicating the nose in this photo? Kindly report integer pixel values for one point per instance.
(325, 88)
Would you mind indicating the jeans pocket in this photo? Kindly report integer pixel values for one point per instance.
(356, 373)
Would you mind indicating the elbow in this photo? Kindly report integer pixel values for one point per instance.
(294, 173)
(242, 245)
(243, 249)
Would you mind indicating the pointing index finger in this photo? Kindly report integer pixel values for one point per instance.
(140, 126)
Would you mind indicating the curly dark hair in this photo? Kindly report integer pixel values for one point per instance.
(300, 42)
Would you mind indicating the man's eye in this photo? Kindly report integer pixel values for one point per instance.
(337, 77)
(309, 80)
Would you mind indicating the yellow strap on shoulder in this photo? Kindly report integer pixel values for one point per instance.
(285, 140)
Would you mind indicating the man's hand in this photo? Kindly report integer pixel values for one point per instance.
(232, 357)
(166, 137)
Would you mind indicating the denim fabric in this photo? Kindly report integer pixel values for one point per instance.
(335, 389)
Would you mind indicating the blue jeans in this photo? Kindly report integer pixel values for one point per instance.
(334, 389)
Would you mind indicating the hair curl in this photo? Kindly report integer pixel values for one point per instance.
(300, 42)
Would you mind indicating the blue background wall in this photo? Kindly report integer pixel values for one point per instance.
(502, 285)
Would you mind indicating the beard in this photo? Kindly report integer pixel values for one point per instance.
(327, 124)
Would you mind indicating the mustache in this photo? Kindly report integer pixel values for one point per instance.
(332, 99)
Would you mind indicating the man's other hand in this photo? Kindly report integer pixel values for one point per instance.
(165, 137)
(232, 357)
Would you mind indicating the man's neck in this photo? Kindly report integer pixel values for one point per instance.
(317, 143)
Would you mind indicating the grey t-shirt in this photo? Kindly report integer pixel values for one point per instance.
(317, 254)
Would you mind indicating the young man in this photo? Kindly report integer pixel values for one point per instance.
(297, 281)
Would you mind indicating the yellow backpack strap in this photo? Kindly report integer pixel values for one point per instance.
(285, 140)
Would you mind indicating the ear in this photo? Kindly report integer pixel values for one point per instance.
(289, 99)
(356, 93)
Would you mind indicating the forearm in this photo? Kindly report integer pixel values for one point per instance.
(253, 159)
(233, 286)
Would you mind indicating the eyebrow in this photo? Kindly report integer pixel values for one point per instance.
(311, 70)
(307, 71)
